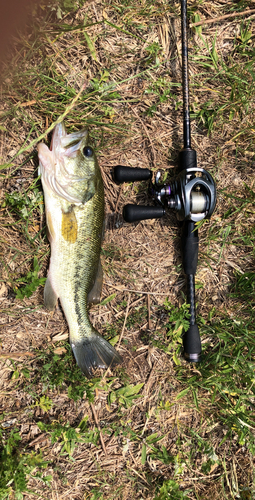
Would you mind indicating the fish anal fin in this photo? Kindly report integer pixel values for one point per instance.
(50, 296)
(95, 292)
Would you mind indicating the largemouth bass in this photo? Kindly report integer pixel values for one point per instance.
(74, 203)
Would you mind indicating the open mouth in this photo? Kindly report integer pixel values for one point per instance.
(71, 143)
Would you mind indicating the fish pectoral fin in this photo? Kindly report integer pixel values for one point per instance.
(92, 352)
(69, 226)
(50, 296)
(95, 292)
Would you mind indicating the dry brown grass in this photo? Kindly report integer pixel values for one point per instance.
(141, 261)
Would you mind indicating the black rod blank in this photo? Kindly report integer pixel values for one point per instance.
(185, 77)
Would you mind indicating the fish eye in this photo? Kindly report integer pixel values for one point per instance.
(88, 152)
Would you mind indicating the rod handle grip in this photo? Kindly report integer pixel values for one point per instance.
(189, 247)
(133, 213)
(192, 344)
(130, 174)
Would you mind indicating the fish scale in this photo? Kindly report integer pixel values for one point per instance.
(74, 202)
(76, 279)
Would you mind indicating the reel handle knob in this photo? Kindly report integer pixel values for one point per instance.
(133, 213)
(130, 174)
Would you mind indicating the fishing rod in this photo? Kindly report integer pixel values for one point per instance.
(192, 195)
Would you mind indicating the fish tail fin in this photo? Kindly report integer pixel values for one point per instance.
(92, 352)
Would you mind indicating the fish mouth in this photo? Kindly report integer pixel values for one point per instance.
(68, 144)
(52, 166)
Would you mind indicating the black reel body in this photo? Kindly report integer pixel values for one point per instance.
(192, 194)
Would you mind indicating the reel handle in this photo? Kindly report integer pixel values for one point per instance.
(134, 213)
(130, 174)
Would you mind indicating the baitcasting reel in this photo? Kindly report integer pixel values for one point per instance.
(192, 194)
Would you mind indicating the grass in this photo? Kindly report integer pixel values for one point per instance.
(155, 427)
(16, 466)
